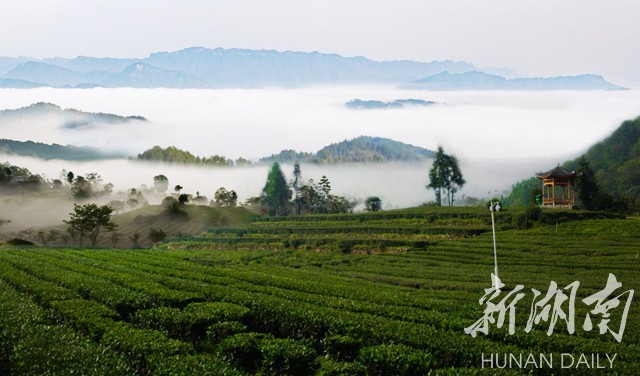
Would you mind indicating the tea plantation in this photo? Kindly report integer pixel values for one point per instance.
(386, 293)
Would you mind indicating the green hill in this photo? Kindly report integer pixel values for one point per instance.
(54, 151)
(197, 220)
(615, 161)
(65, 118)
(359, 149)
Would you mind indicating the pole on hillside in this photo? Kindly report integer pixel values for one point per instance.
(495, 207)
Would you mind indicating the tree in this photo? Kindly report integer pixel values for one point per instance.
(276, 193)
(296, 185)
(69, 177)
(586, 184)
(115, 238)
(183, 198)
(135, 237)
(445, 176)
(226, 198)
(373, 204)
(177, 188)
(90, 220)
(157, 235)
(117, 205)
(161, 183)
(81, 188)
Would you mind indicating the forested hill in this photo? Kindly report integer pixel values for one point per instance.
(357, 150)
(54, 151)
(65, 118)
(616, 161)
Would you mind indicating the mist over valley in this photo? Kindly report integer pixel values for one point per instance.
(499, 137)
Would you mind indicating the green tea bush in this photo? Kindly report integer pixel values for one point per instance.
(139, 346)
(222, 330)
(341, 347)
(384, 360)
(56, 350)
(243, 351)
(287, 357)
(330, 367)
(188, 365)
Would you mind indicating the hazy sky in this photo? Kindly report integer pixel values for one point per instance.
(541, 37)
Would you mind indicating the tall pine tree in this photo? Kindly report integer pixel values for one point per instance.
(276, 194)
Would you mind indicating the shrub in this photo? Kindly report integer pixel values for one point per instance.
(221, 330)
(56, 350)
(332, 368)
(191, 365)
(533, 213)
(341, 347)
(521, 221)
(394, 360)
(19, 242)
(243, 351)
(139, 346)
(286, 357)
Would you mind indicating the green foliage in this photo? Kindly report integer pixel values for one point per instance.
(187, 365)
(521, 192)
(317, 198)
(386, 360)
(223, 197)
(161, 183)
(373, 204)
(19, 242)
(243, 351)
(276, 194)
(445, 176)
(172, 154)
(341, 347)
(53, 151)
(586, 185)
(286, 357)
(359, 149)
(616, 163)
(332, 368)
(395, 310)
(140, 346)
(183, 198)
(157, 235)
(89, 220)
(221, 330)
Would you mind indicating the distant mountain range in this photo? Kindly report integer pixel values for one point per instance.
(363, 149)
(199, 67)
(359, 104)
(484, 81)
(64, 118)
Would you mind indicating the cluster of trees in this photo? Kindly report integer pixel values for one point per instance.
(19, 176)
(359, 149)
(280, 197)
(172, 154)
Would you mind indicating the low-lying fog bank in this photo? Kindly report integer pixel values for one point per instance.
(399, 185)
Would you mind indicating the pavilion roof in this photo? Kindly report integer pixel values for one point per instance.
(557, 172)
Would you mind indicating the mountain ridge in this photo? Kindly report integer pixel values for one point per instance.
(67, 118)
(477, 80)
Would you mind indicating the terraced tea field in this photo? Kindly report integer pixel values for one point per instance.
(365, 294)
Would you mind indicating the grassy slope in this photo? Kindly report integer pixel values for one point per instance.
(197, 220)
